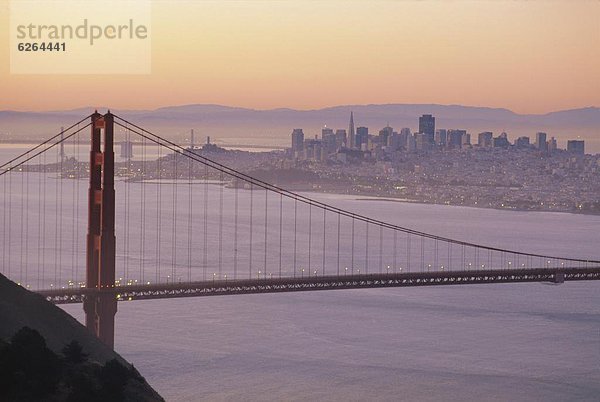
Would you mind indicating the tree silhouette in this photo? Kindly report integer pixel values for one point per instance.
(114, 377)
(74, 353)
(28, 369)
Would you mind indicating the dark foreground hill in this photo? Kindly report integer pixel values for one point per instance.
(34, 335)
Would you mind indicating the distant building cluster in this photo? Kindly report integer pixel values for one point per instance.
(357, 143)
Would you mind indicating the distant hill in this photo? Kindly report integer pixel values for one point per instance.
(21, 308)
(235, 124)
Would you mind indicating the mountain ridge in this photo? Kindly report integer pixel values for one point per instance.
(220, 121)
(334, 107)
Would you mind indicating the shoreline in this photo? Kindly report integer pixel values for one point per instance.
(402, 200)
(387, 198)
(365, 197)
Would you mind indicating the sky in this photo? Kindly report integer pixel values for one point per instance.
(530, 57)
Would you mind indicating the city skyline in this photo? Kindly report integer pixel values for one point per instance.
(271, 127)
(426, 139)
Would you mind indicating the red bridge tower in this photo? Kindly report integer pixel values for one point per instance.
(100, 308)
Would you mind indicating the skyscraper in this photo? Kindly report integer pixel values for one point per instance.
(328, 138)
(411, 144)
(362, 137)
(405, 131)
(485, 139)
(427, 126)
(522, 142)
(394, 142)
(384, 135)
(456, 138)
(552, 145)
(466, 140)
(576, 147)
(440, 137)
(501, 141)
(422, 142)
(340, 138)
(351, 134)
(404, 135)
(540, 141)
(297, 141)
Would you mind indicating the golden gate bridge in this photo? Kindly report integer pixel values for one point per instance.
(194, 226)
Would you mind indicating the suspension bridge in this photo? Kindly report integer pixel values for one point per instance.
(188, 225)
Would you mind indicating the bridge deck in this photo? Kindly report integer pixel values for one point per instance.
(274, 285)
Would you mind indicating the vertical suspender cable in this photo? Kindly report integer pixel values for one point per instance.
(408, 251)
(280, 230)
(127, 211)
(74, 180)
(190, 216)
(44, 179)
(395, 250)
(295, 232)
(8, 235)
(25, 171)
(220, 224)
(435, 264)
(22, 196)
(60, 229)
(158, 211)
(174, 226)
(367, 250)
(4, 226)
(352, 249)
(39, 242)
(422, 253)
(266, 215)
(338, 243)
(27, 230)
(56, 230)
(235, 235)
(205, 248)
(380, 249)
(128, 176)
(77, 207)
(143, 211)
(309, 236)
(250, 250)
(324, 227)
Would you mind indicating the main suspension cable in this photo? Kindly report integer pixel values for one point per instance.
(253, 181)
